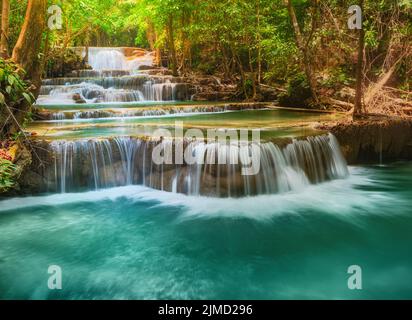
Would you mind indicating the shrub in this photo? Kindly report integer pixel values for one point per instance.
(61, 61)
(12, 88)
(14, 92)
(7, 169)
(298, 92)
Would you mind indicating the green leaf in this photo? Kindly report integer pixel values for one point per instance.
(2, 99)
(27, 97)
(8, 89)
(11, 79)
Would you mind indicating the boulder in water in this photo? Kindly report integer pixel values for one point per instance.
(78, 98)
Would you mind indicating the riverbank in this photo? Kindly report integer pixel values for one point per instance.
(374, 141)
(361, 142)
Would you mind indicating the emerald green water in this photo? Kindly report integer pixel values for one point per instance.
(271, 123)
(139, 243)
(121, 105)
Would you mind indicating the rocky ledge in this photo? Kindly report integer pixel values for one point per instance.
(374, 141)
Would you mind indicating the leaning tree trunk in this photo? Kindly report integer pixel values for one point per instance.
(26, 55)
(358, 109)
(304, 50)
(172, 47)
(4, 52)
(27, 49)
(259, 45)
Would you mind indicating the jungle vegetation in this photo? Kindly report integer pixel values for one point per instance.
(303, 48)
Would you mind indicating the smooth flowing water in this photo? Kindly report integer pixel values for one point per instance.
(135, 242)
(114, 78)
(135, 121)
(122, 227)
(214, 169)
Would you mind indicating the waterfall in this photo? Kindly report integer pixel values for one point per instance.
(119, 82)
(115, 78)
(129, 113)
(107, 59)
(159, 91)
(102, 59)
(112, 89)
(96, 164)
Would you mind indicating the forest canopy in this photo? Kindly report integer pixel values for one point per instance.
(302, 46)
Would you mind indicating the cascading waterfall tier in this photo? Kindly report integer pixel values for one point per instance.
(114, 78)
(142, 112)
(96, 164)
(124, 89)
(101, 59)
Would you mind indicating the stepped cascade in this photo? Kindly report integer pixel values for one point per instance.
(114, 78)
(101, 59)
(244, 152)
(104, 163)
(93, 122)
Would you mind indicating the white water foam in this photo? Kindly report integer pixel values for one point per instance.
(339, 198)
(114, 59)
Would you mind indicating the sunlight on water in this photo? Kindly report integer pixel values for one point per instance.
(339, 197)
(289, 232)
(135, 242)
(114, 59)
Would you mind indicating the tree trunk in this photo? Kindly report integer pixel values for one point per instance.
(172, 47)
(86, 57)
(4, 52)
(241, 70)
(26, 51)
(45, 53)
(151, 34)
(252, 76)
(226, 63)
(358, 109)
(304, 50)
(158, 60)
(26, 54)
(259, 45)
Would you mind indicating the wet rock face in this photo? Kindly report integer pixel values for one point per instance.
(213, 96)
(209, 88)
(375, 141)
(268, 94)
(144, 68)
(30, 174)
(77, 98)
(73, 166)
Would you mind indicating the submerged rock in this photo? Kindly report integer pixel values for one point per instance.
(78, 99)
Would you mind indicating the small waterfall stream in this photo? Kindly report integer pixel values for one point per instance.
(101, 59)
(105, 163)
(216, 171)
(129, 113)
(114, 78)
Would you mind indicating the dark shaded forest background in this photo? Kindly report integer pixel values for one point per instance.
(302, 51)
(302, 48)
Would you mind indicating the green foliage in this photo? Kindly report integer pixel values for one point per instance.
(12, 88)
(235, 37)
(13, 92)
(95, 23)
(229, 35)
(298, 92)
(61, 61)
(7, 169)
(337, 77)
